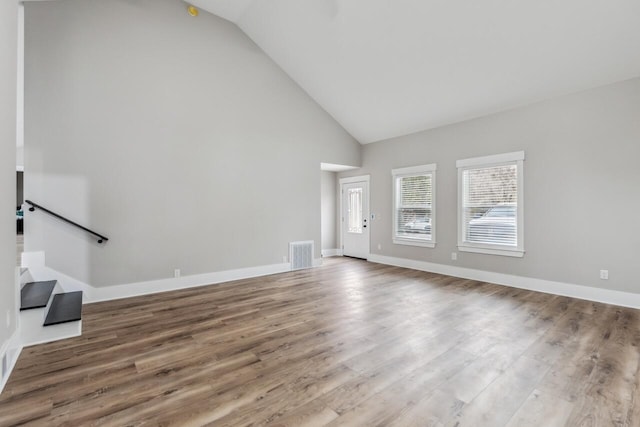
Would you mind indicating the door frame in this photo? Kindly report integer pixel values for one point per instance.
(350, 180)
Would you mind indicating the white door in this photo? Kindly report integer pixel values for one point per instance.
(355, 219)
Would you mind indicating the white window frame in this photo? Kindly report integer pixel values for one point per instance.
(429, 169)
(506, 159)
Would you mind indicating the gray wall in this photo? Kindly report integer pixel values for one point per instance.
(581, 186)
(328, 203)
(177, 137)
(8, 63)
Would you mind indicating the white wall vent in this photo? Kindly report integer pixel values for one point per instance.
(301, 254)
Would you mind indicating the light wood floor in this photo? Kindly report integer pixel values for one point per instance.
(351, 343)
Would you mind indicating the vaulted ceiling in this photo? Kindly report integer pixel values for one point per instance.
(385, 68)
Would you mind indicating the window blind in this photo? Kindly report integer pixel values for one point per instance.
(490, 205)
(414, 199)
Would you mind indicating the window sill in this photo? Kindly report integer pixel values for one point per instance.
(517, 253)
(414, 242)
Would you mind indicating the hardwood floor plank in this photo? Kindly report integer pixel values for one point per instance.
(299, 392)
(349, 343)
(435, 409)
(542, 409)
(434, 372)
(25, 410)
(507, 392)
(608, 395)
(313, 414)
(633, 415)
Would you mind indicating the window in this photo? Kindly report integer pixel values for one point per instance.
(354, 219)
(490, 205)
(414, 206)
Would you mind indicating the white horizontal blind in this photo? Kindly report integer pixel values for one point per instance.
(414, 206)
(490, 205)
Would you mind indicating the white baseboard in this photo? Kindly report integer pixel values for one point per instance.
(607, 296)
(11, 350)
(35, 261)
(331, 252)
(108, 293)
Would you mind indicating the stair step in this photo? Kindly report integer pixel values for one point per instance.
(36, 294)
(65, 307)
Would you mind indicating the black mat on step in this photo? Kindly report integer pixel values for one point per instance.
(36, 294)
(65, 307)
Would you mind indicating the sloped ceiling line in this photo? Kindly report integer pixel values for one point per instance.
(386, 68)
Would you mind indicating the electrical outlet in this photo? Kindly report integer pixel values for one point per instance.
(604, 274)
(454, 256)
(284, 259)
(176, 272)
(379, 246)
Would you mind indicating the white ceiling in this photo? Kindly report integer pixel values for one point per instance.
(385, 68)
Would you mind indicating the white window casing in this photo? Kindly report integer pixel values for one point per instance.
(414, 206)
(490, 204)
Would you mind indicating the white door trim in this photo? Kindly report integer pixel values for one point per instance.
(349, 180)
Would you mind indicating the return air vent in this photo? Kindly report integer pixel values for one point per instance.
(301, 254)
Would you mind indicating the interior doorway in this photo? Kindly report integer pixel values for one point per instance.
(19, 216)
(355, 219)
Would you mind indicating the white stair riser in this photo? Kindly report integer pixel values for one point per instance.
(32, 335)
(31, 324)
